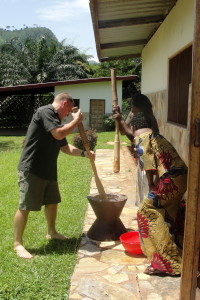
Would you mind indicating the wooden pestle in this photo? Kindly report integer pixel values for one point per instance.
(116, 167)
(99, 185)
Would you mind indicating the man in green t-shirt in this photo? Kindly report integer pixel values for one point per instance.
(37, 168)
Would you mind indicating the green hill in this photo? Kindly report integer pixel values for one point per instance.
(33, 32)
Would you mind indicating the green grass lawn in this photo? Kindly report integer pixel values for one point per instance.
(47, 276)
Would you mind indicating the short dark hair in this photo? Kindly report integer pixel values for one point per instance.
(62, 97)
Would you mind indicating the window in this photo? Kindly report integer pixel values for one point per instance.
(77, 103)
(180, 72)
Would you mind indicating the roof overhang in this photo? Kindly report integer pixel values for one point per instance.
(123, 27)
(47, 87)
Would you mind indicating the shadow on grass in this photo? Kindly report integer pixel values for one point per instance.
(57, 247)
(8, 145)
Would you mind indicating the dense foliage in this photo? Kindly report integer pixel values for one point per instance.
(91, 137)
(35, 33)
(108, 123)
(35, 61)
(124, 67)
(34, 55)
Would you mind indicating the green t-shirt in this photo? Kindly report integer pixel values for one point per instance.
(41, 149)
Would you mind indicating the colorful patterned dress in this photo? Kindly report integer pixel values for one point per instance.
(158, 212)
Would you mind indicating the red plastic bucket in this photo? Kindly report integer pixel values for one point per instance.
(131, 242)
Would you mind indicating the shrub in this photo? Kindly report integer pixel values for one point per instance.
(108, 123)
(91, 136)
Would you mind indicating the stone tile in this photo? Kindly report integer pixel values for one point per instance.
(132, 268)
(115, 190)
(141, 267)
(91, 214)
(154, 296)
(197, 294)
(142, 276)
(118, 257)
(145, 285)
(80, 255)
(166, 286)
(116, 278)
(114, 269)
(109, 244)
(119, 247)
(89, 249)
(128, 211)
(98, 290)
(75, 296)
(83, 240)
(132, 287)
(90, 265)
(87, 227)
(168, 297)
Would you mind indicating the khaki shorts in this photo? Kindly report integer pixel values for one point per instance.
(36, 191)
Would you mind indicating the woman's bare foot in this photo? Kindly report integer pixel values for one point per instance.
(56, 236)
(151, 271)
(22, 252)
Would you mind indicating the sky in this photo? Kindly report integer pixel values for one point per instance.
(67, 19)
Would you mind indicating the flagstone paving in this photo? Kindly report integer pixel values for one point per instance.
(103, 269)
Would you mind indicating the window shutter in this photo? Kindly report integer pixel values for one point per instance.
(180, 69)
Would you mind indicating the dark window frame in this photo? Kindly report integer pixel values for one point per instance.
(77, 103)
(180, 75)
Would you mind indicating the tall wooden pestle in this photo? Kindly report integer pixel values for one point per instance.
(99, 185)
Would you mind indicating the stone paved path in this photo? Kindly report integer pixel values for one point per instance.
(103, 269)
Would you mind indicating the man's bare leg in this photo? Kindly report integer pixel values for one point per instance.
(51, 214)
(20, 221)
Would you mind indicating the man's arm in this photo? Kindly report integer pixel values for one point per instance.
(71, 150)
(60, 133)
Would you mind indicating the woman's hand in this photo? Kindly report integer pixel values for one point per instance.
(115, 109)
(116, 113)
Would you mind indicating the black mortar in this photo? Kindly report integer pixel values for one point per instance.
(107, 226)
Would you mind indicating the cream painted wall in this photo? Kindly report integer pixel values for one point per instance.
(95, 90)
(174, 34)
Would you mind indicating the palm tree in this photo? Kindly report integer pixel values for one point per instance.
(11, 69)
(34, 61)
(68, 63)
(38, 61)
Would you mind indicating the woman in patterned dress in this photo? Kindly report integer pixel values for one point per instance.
(167, 178)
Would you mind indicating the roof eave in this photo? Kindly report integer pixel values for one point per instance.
(119, 47)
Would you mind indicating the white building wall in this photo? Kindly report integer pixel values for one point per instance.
(95, 90)
(175, 33)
